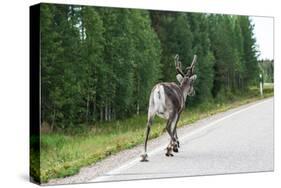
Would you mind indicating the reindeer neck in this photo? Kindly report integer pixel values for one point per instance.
(184, 91)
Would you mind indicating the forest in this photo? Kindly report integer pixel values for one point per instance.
(99, 64)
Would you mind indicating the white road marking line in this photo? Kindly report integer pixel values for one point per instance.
(184, 138)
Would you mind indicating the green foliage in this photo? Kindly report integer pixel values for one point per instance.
(266, 68)
(205, 62)
(175, 35)
(102, 60)
(100, 64)
(233, 46)
(249, 50)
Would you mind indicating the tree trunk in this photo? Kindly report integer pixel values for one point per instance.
(53, 120)
(101, 114)
(106, 112)
(228, 80)
(87, 110)
(94, 111)
(109, 113)
(138, 108)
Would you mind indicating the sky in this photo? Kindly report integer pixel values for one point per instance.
(263, 31)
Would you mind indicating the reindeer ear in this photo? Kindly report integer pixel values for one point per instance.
(179, 78)
(193, 77)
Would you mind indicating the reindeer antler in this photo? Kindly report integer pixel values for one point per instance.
(178, 65)
(190, 70)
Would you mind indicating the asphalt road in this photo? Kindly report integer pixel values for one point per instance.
(237, 141)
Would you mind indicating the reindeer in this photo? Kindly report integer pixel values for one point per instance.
(167, 100)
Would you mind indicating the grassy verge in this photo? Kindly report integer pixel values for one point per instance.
(63, 154)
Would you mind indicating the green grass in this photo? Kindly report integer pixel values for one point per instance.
(63, 154)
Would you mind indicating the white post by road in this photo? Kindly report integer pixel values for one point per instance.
(261, 85)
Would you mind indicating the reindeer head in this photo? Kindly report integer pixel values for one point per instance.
(186, 78)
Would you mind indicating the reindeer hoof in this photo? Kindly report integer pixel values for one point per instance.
(144, 158)
(175, 150)
(178, 143)
(169, 154)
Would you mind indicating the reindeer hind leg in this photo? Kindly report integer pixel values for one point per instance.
(175, 142)
(169, 147)
(144, 156)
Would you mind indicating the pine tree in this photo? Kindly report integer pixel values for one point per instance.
(239, 53)
(51, 58)
(146, 60)
(91, 34)
(249, 50)
(201, 47)
(176, 38)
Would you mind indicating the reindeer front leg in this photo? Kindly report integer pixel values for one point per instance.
(174, 131)
(177, 139)
(171, 123)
